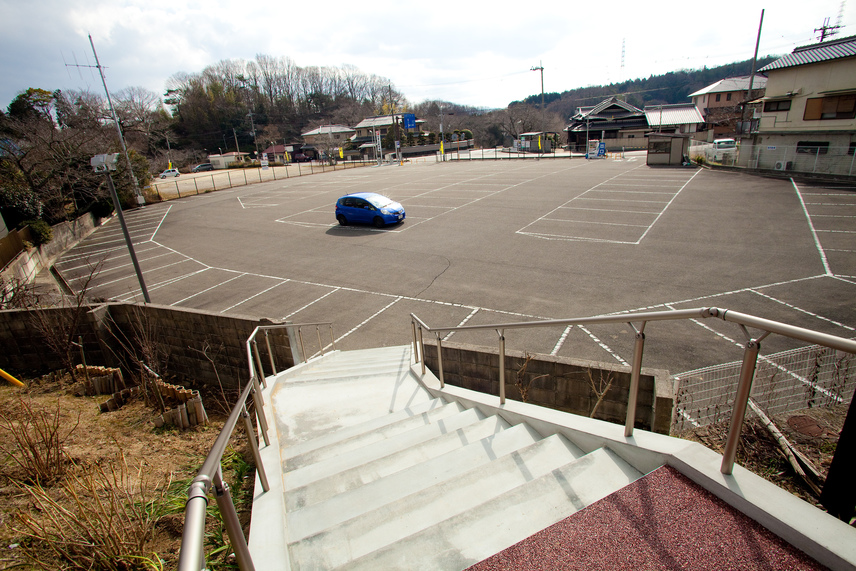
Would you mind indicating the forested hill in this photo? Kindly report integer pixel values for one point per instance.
(672, 87)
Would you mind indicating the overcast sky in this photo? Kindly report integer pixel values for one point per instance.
(471, 52)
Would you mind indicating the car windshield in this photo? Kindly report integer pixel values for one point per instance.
(379, 201)
(726, 144)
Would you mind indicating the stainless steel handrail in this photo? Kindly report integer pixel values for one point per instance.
(209, 477)
(747, 372)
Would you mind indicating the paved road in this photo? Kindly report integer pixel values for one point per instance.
(488, 242)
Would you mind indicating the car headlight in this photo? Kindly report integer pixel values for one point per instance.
(386, 211)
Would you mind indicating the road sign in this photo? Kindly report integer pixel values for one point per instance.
(409, 121)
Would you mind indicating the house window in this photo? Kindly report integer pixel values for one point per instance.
(852, 149)
(718, 96)
(839, 107)
(728, 97)
(781, 105)
(813, 147)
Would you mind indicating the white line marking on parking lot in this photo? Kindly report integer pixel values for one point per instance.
(335, 289)
(255, 295)
(813, 231)
(666, 207)
(795, 308)
(462, 323)
(561, 340)
(207, 290)
(396, 300)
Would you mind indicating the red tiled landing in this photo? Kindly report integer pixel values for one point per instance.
(661, 521)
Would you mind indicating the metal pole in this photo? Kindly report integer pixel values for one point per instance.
(270, 353)
(744, 387)
(415, 343)
(233, 525)
(634, 382)
(261, 371)
(332, 341)
(254, 446)
(440, 360)
(752, 77)
(318, 331)
(502, 367)
(422, 349)
(258, 406)
(302, 348)
(191, 557)
(140, 199)
(133, 254)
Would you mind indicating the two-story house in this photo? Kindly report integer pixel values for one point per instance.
(721, 103)
(808, 119)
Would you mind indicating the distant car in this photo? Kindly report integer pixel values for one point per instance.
(299, 158)
(722, 150)
(368, 208)
(203, 167)
(169, 172)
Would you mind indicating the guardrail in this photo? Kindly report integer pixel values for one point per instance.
(747, 370)
(209, 477)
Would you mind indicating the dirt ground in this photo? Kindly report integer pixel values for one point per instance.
(813, 431)
(160, 455)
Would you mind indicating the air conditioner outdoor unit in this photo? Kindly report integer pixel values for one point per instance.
(780, 165)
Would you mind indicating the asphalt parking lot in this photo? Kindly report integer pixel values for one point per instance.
(498, 241)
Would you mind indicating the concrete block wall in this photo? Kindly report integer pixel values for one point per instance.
(111, 333)
(564, 385)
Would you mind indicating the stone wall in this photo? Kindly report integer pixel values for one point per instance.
(562, 384)
(114, 333)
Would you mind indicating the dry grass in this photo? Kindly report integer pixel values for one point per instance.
(119, 502)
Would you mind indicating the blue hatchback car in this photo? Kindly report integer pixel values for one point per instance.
(368, 208)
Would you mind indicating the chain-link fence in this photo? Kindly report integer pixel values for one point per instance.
(792, 380)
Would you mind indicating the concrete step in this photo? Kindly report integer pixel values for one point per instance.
(364, 434)
(469, 537)
(375, 530)
(367, 427)
(313, 472)
(366, 488)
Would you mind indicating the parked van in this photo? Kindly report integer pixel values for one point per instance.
(722, 150)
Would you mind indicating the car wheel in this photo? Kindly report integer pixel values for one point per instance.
(342, 220)
(378, 222)
(162, 176)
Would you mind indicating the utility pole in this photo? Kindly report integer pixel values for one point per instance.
(140, 200)
(541, 69)
(397, 142)
(237, 148)
(253, 127)
(752, 77)
(168, 150)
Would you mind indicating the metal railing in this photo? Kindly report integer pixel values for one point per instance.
(210, 477)
(747, 369)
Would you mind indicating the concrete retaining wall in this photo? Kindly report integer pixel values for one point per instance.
(31, 261)
(563, 384)
(113, 335)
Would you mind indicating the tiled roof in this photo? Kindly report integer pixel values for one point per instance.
(826, 51)
(682, 114)
(733, 84)
(326, 129)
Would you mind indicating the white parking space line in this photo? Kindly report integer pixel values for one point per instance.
(206, 290)
(370, 318)
(264, 291)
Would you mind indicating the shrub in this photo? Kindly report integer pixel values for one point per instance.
(40, 231)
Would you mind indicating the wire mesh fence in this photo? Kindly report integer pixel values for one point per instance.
(792, 380)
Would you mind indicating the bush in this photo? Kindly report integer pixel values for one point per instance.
(41, 231)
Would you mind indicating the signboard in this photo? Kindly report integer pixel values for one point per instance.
(409, 120)
(601, 149)
(341, 153)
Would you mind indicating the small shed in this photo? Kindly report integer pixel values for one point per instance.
(668, 148)
(226, 159)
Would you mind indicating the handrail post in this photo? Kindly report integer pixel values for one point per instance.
(320, 346)
(440, 360)
(258, 356)
(258, 405)
(422, 349)
(192, 554)
(635, 372)
(254, 446)
(332, 340)
(302, 348)
(233, 525)
(415, 343)
(270, 354)
(744, 387)
(502, 367)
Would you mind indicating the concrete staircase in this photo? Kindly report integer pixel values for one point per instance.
(378, 474)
